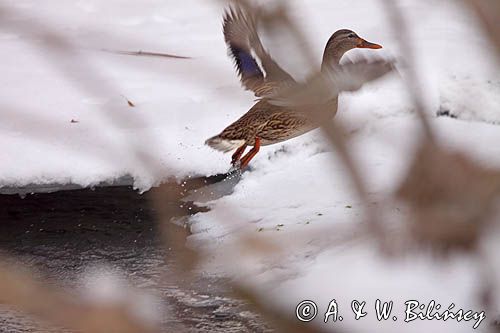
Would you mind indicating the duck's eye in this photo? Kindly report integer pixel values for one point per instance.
(351, 35)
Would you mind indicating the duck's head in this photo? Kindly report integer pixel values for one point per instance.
(341, 42)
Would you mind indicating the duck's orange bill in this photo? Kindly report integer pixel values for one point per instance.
(363, 44)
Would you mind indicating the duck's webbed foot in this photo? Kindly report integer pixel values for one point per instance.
(246, 159)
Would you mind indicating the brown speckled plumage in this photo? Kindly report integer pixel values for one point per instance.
(272, 124)
(266, 123)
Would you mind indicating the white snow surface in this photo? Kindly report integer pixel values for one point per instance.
(297, 194)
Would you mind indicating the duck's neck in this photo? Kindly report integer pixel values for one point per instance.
(331, 58)
(332, 55)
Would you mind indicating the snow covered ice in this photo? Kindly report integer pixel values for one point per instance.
(294, 190)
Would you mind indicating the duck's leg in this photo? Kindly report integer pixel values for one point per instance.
(237, 154)
(246, 159)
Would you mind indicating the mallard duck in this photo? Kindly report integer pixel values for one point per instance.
(269, 122)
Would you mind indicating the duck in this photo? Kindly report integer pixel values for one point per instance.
(268, 121)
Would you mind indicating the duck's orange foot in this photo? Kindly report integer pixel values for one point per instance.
(248, 157)
(237, 154)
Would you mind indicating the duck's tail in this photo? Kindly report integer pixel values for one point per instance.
(224, 145)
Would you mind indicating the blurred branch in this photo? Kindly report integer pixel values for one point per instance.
(19, 290)
(488, 12)
(413, 81)
(452, 198)
(335, 135)
(174, 235)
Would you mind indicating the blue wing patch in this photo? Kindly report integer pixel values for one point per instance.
(246, 64)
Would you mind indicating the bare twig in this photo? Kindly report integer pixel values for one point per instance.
(146, 54)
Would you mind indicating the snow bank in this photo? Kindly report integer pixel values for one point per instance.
(179, 103)
(65, 118)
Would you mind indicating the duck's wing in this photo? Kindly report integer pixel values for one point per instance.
(240, 34)
(324, 87)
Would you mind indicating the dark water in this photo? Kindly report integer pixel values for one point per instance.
(62, 235)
